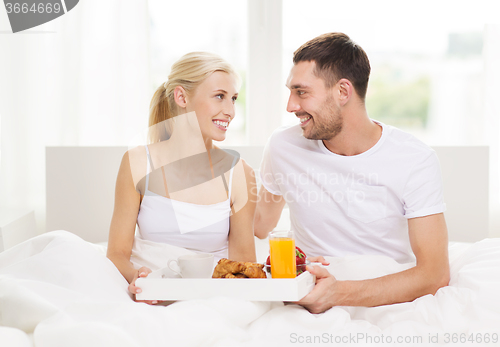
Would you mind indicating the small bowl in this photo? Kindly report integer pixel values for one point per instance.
(300, 268)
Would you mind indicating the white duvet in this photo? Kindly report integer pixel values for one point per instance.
(58, 290)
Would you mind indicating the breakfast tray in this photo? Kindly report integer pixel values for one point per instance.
(270, 289)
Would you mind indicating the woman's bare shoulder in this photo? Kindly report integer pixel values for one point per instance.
(134, 165)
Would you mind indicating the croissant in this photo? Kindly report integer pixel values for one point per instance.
(237, 269)
(226, 266)
(254, 271)
(238, 275)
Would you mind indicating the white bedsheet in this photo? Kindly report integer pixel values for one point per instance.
(58, 290)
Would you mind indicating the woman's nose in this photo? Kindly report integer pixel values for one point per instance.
(229, 109)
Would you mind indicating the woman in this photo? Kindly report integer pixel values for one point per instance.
(181, 189)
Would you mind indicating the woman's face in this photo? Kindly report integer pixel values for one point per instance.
(213, 102)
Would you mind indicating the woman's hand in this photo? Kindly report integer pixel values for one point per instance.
(142, 272)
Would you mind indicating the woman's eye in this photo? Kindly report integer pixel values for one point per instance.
(220, 96)
(234, 99)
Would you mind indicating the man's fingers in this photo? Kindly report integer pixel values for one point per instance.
(313, 296)
(318, 271)
(309, 298)
(319, 259)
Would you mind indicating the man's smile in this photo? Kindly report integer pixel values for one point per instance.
(304, 119)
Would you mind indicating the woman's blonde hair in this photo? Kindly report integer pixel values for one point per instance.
(188, 72)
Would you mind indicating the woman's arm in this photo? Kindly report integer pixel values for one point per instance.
(122, 229)
(244, 198)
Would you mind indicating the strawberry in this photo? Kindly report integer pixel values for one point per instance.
(300, 260)
(268, 264)
(300, 256)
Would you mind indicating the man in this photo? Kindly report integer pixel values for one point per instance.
(353, 185)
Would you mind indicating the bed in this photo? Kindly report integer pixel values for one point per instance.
(59, 289)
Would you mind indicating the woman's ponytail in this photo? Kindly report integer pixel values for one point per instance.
(159, 111)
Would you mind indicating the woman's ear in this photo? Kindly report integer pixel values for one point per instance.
(180, 96)
(345, 89)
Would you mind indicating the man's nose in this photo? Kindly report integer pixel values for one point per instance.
(293, 105)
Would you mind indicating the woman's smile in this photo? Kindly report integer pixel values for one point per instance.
(221, 124)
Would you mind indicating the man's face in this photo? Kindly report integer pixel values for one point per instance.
(314, 104)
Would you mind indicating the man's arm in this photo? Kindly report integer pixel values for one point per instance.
(267, 212)
(429, 242)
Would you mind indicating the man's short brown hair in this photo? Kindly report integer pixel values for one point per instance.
(337, 56)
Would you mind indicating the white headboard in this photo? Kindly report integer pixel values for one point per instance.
(81, 182)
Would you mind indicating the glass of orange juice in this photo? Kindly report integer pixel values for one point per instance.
(282, 249)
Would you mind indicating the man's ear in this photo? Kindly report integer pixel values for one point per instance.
(180, 96)
(345, 90)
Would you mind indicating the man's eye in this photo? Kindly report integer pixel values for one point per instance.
(300, 92)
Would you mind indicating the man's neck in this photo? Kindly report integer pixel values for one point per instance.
(359, 133)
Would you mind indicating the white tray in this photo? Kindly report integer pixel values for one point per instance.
(254, 289)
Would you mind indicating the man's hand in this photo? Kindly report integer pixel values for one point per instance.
(319, 259)
(323, 296)
(429, 242)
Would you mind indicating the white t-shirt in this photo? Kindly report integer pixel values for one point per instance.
(347, 205)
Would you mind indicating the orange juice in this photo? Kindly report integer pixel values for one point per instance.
(282, 257)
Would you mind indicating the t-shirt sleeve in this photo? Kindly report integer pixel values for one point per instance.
(267, 175)
(423, 193)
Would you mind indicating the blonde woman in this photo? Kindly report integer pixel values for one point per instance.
(180, 189)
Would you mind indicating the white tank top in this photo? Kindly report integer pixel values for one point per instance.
(201, 228)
